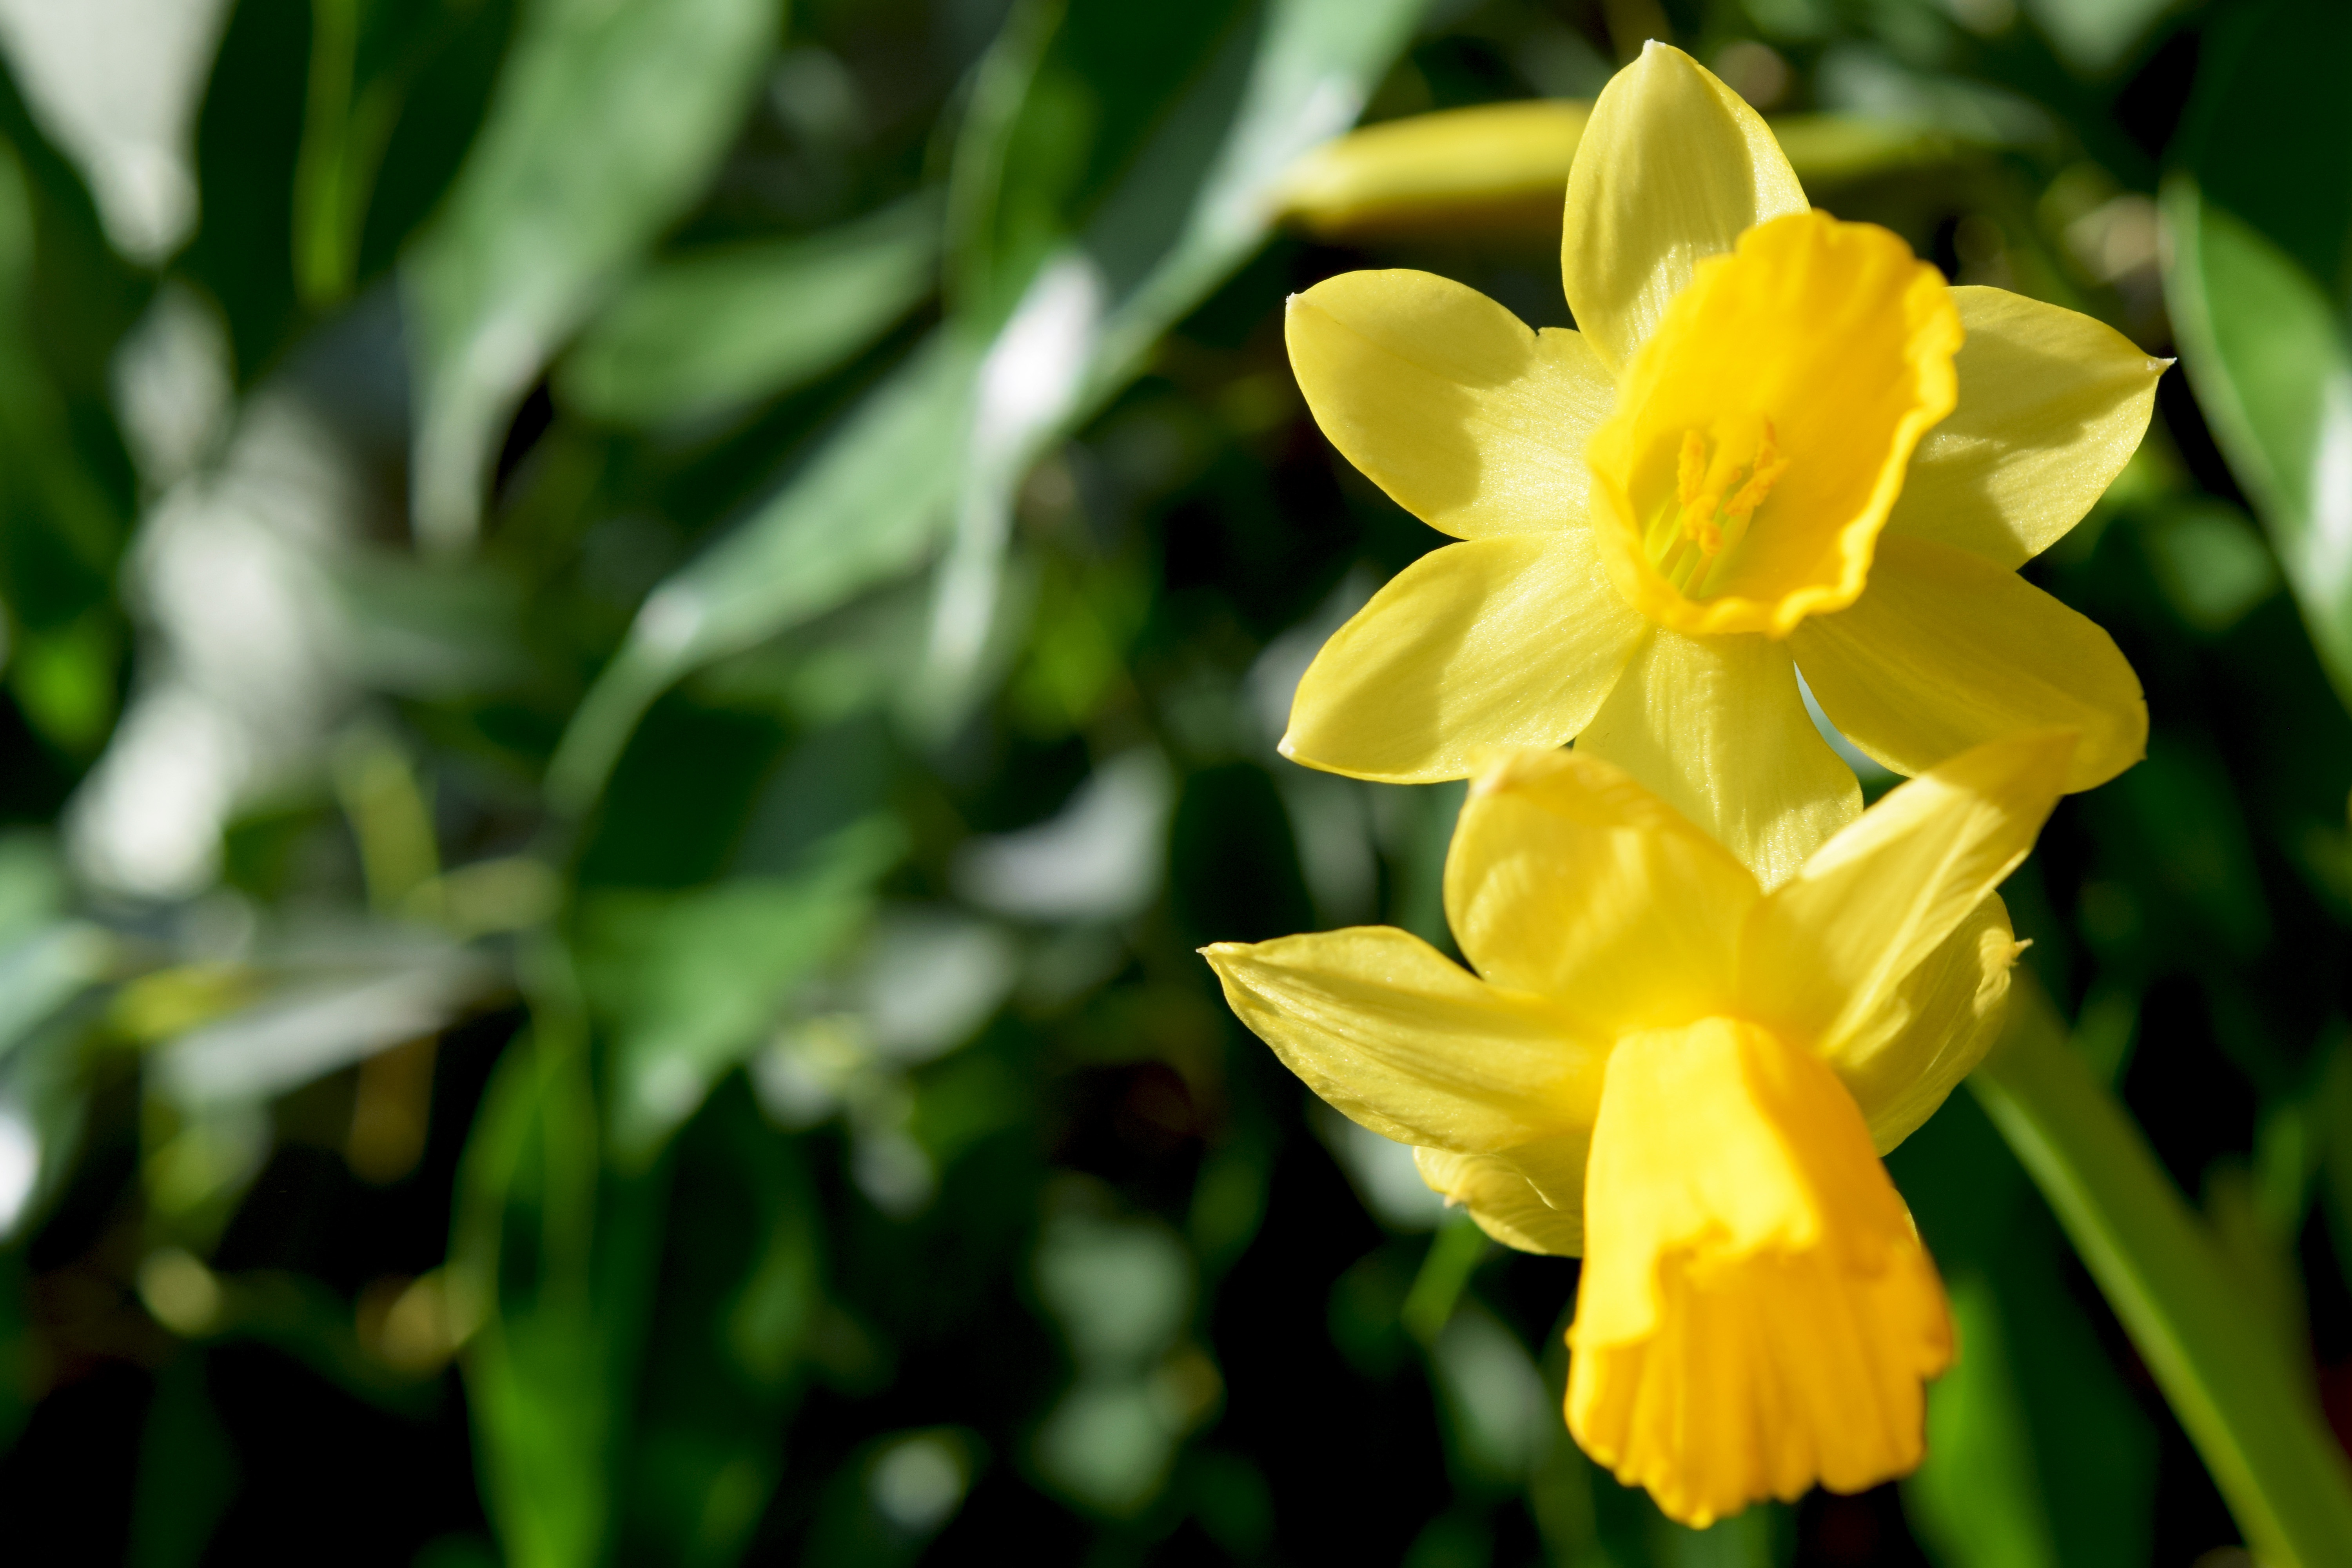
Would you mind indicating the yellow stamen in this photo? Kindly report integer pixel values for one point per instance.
(1846, 340)
(1694, 468)
(1721, 476)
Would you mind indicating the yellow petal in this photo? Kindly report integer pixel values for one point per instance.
(1568, 879)
(1489, 642)
(1505, 1205)
(1674, 166)
(1931, 1029)
(1761, 434)
(1716, 727)
(1389, 1031)
(1755, 1311)
(1471, 421)
(1493, 168)
(2051, 406)
(1947, 650)
(1824, 953)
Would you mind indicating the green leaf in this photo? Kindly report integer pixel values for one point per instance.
(2039, 1455)
(692, 981)
(866, 509)
(740, 1284)
(67, 514)
(700, 334)
(2095, 36)
(187, 1471)
(609, 118)
(561, 1263)
(247, 134)
(2267, 74)
(365, 58)
(959, 425)
(2211, 1350)
(1191, 202)
(2266, 353)
(434, 630)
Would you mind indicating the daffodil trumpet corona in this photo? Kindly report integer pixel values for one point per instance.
(1776, 443)
(1657, 1063)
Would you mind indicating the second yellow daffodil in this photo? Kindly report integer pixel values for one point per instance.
(1688, 1080)
(1776, 442)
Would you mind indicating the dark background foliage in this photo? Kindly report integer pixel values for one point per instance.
(602, 880)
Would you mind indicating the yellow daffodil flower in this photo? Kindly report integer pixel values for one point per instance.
(1776, 442)
(1688, 1080)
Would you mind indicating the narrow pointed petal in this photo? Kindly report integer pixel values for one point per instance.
(1568, 880)
(1511, 642)
(1901, 1060)
(1505, 1205)
(1945, 650)
(1468, 420)
(2051, 406)
(1394, 1035)
(1824, 953)
(1716, 727)
(1674, 166)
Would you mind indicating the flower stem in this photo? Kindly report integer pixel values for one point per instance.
(1453, 1253)
(2253, 1420)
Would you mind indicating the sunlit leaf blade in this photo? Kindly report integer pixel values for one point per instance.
(866, 508)
(65, 302)
(719, 329)
(1155, 243)
(554, 1269)
(2267, 353)
(609, 117)
(322, 1021)
(2039, 1454)
(692, 981)
(1315, 62)
(2210, 1347)
(875, 501)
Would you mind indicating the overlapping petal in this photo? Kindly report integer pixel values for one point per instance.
(1511, 641)
(1716, 728)
(1469, 420)
(1570, 880)
(1825, 952)
(1674, 166)
(1945, 650)
(2051, 406)
(1504, 1203)
(1393, 1033)
(1902, 1059)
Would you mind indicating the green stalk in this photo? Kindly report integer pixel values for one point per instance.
(2256, 1424)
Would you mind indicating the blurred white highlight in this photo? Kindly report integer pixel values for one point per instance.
(1100, 860)
(918, 1482)
(1029, 382)
(244, 674)
(115, 83)
(1381, 1170)
(20, 1164)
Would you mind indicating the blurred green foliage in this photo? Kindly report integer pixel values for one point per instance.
(633, 662)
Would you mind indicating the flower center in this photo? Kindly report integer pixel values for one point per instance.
(1722, 476)
(1762, 430)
